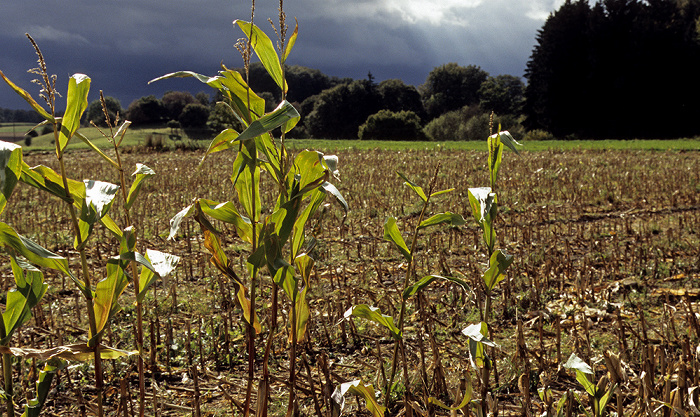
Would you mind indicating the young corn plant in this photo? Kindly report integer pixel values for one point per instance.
(29, 280)
(87, 203)
(484, 205)
(599, 395)
(411, 286)
(163, 263)
(273, 230)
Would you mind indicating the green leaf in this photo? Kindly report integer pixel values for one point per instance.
(265, 50)
(46, 179)
(32, 251)
(96, 149)
(76, 103)
(374, 314)
(227, 213)
(290, 43)
(281, 115)
(329, 188)
(359, 389)
(509, 141)
(582, 369)
(222, 141)
(499, 262)
(28, 98)
(10, 170)
(99, 197)
(436, 193)
(247, 186)
(142, 173)
(19, 301)
(392, 234)
(477, 339)
(106, 299)
(465, 400)
(495, 157)
(233, 86)
(219, 259)
(43, 386)
(484, 205)
(426, 280)
(418, 190)
(452, 219)
(298, 237)
(305, 265)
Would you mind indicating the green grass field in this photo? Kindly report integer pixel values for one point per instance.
(136, 137)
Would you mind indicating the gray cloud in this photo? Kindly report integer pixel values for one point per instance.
(122, 45)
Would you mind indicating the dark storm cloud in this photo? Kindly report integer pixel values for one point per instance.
(122, 45)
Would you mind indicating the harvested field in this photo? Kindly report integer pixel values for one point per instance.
(607, 258)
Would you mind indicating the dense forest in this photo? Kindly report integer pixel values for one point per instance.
(619, 69)
(613, 69)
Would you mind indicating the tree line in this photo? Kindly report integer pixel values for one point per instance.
(617, 69)
(613, 69)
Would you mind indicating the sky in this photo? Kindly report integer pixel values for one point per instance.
(122, 44)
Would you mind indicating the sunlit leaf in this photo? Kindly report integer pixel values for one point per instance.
(509, 141)
(265, 49)
(244, 101)
(305, 265)
(177, 220)
(329, 188)
(481, 201)
(267, 123)
(10, 170)
(495, 157)
(359, 389)
(392, 234)
(484, 206)
(222, 141)
(76, 103)
(36, 254)
(418, 190)
(374, 314)
(163, 263)
(248, 194)
(477, 340)
(99, 197)
(28, 98)
(46, 179)
(106, 298)
(290, 43)
(426, 280)
(582, 369)
(499, 262)
(299, 237)
(141, 174)
(437, 193)
(227, 213)
(94, 147)
(451, 219)
(19, 301)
